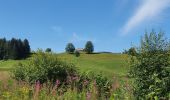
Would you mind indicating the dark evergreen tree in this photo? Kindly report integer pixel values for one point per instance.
(27, 47)
(14, 49)
(14, 54)
(2, 48)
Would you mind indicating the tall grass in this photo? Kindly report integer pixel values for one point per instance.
(14, 90)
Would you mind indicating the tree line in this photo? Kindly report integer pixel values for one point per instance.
(14, 49)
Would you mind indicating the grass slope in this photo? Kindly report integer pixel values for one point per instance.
(107, 63)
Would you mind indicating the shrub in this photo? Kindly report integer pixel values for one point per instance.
(77, 53)
(150, 68)
(89, 48)
(43, 67)
(101, 84)
(132, 51)
(70, 48)
(48, 50)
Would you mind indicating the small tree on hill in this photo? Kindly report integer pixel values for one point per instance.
(150, 69)
(89, 48)
(48, 50)
(70, 48)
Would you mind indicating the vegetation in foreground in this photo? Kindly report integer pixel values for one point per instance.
(150, 68)
(48, 76)
(60, 80)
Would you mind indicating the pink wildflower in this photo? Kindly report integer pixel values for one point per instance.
(86, 82)
(37, 86)
(57, 83)
(37, 89)
(88, 96)
(75, 78)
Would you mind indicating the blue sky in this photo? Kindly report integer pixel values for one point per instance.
(112, 25)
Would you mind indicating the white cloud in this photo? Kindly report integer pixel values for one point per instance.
(149, 10)
(57, 29)
(77, 38)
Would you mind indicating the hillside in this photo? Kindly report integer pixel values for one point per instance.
(107, 63)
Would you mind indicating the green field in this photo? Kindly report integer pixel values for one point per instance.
(109, 64)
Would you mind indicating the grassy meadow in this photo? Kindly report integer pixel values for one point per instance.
(106, 63)
(112, 66)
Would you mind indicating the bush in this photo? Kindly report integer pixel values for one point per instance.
(97, 81)
(132, 51)
(43, 67)
(48, 50)
(150, 68)
(70, 48)
(89, 48)
(77, 53)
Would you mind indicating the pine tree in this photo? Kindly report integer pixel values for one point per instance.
(27, 49)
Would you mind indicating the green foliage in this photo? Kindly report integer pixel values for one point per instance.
(48, 50)
(132, 51)
(101, 83)
(26, 46)
(150, 68)
(70, 48)
(89, 48)
(14, 49)
(37, 91)
(43, 67)
(77, 53)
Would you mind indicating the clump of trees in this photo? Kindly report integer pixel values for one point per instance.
(14, 48)
(150, 69)
(89, 48)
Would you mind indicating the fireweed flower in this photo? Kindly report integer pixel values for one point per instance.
(85, 82)
(57, 83)
(37, 85)
(75, 78)
(88, 96)
(37, 88)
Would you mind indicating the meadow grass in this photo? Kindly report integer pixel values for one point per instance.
(106, 63)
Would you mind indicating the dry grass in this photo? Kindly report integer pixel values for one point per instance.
(4, 76)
